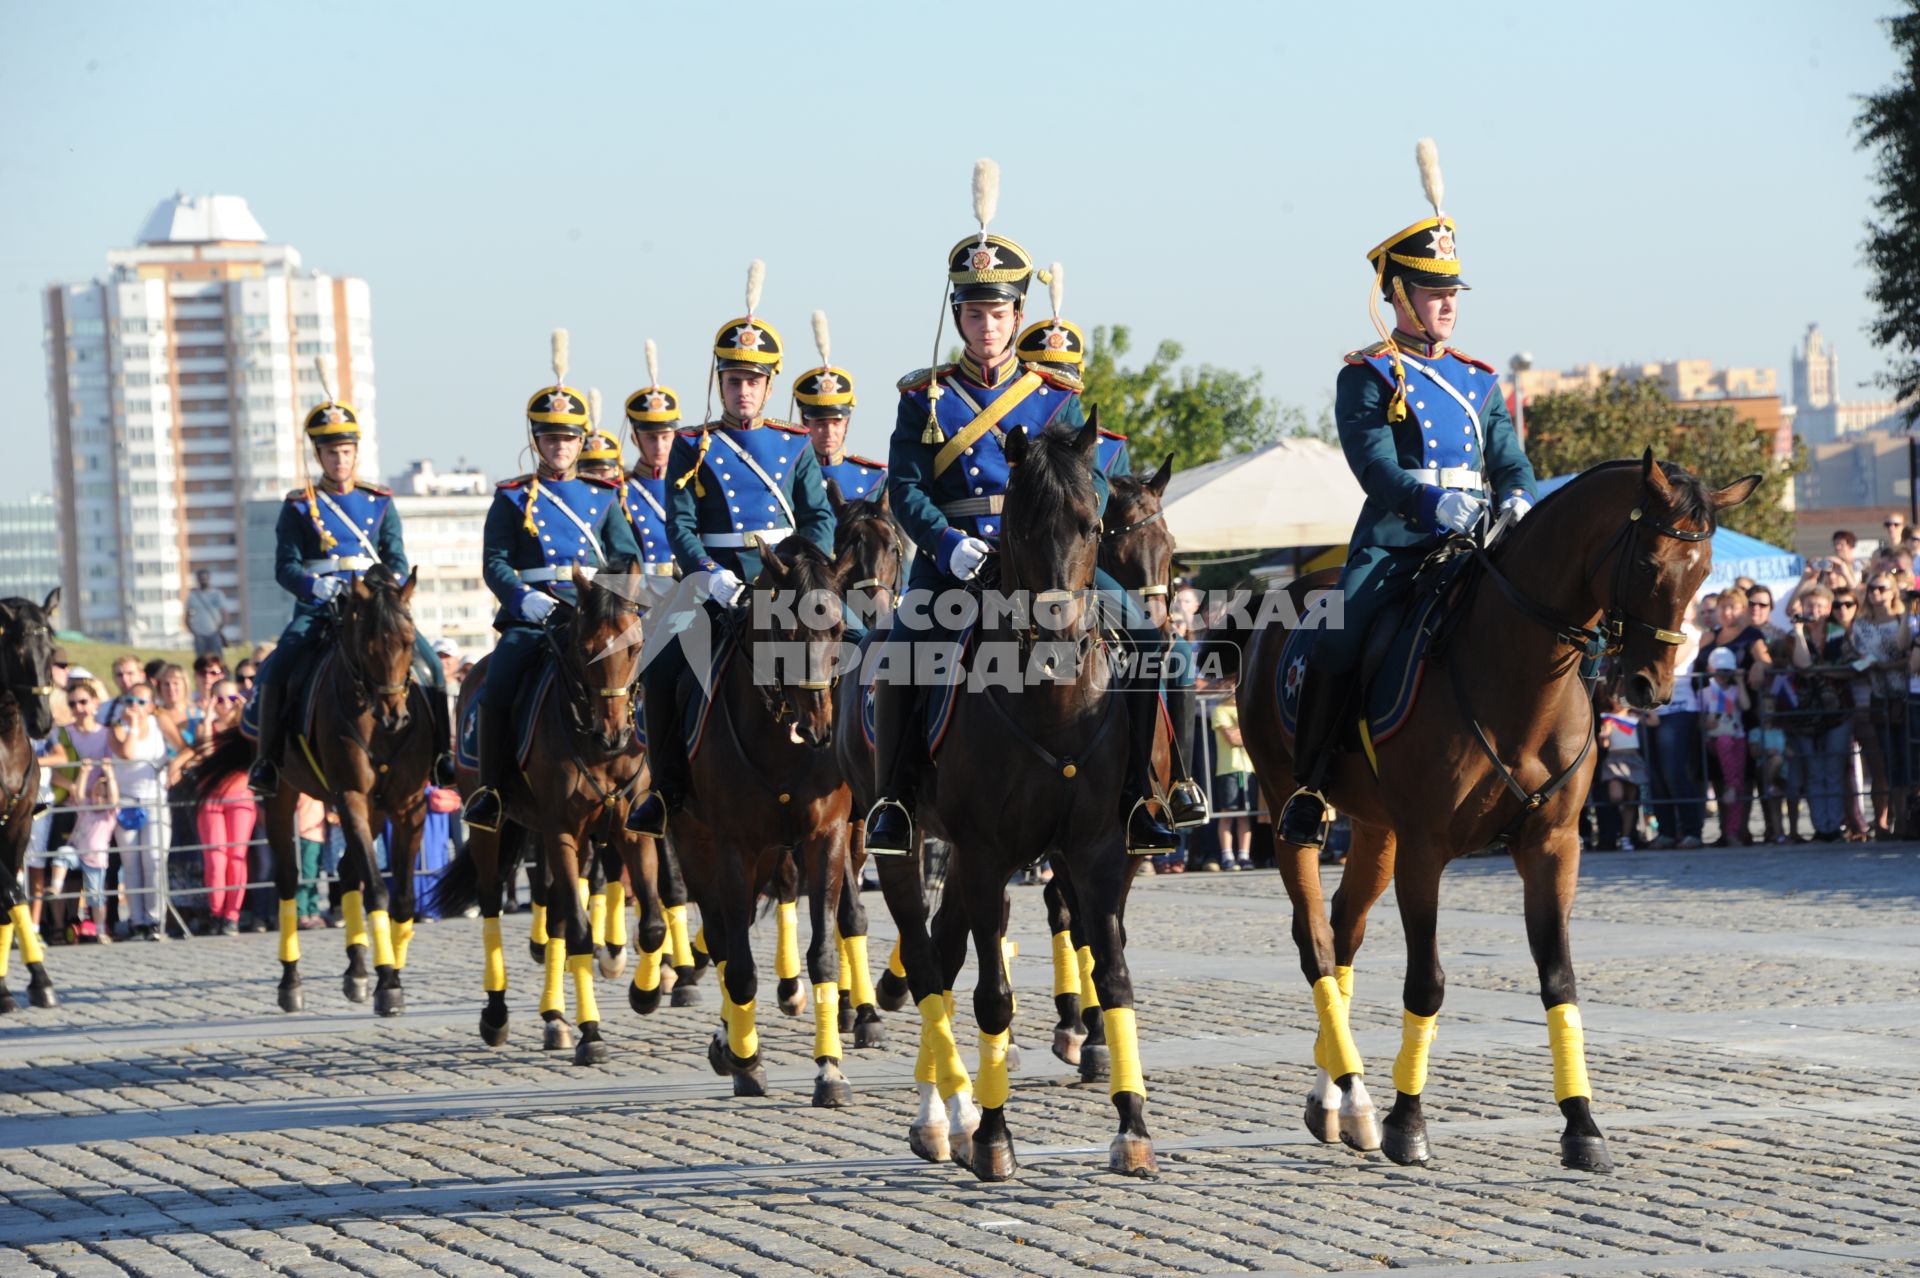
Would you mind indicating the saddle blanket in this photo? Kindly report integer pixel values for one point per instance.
(1394, 688)
(526, 710)
(939, 699)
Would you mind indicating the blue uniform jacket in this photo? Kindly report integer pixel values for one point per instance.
(646, 505)
(1456, 417)
(362, 523)
(557, 541)
(1112, 455)
(726, 483)
(859, 477)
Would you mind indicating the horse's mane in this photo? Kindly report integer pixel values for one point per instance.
(603, 603)
(1128, 488)
(1053, 479)
(386, 616)
(1692, 499)
(810, 566)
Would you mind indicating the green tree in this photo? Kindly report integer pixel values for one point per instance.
(1197, 414)
(1889, 126)
(1570, 431)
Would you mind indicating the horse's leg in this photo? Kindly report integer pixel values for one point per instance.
(17, 922)
(404, 830)
(673, 896)
(537, 906)
(938, 1073)
(1368, 871)
(356, 821)
(1095, 1060)
(568, 932)
(791, 994)
(489, 852)
(653, 936)
(949, 938)
(825, 858)
(593, 884)
(1313, 937)
(1100, 878)
(1067, 1032)
(610, 944)
(857, 1010)
(992, 1147)
(1550, 872)
(739, 983)
(355, 869)
(9, 897)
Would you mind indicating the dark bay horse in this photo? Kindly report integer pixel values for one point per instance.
(26, 683)
(766, 789)
(1497, 750)
(367, 753)
(581, 775)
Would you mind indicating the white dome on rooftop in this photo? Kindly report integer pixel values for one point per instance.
(201, 219)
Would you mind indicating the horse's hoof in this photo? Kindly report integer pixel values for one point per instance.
(751, 1081)
(846, 1019)
(891, 992)
(493, 1035)
(793, 997)
(1322, 1123)
(668, 977)
(870, 1034)
(993, 1159)
(642, 1001)
(1585, 1153)
(832, 1093)
(686, 994)
(41, 994)
(1013, 1057)
(717, 1052)
(1132, 1156)
(591, 1051)
(1066, 1044)
(356, 988)
(1096, 1063)
(1407, 1148)
(557, 1036)
(612, 962)
(389, 1000)
(1360, 1130)
(292, 999)
(929, 1142)
(538, 952)
(6, 1000)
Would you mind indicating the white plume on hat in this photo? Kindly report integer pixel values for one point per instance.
(1427, 155)
(561, 344)
(653, 363)
(593, 408)
(986, 193)
(323, 368)
(821, 338)
(756, 281)
(1056, 288)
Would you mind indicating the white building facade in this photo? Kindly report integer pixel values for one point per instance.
(176, 385)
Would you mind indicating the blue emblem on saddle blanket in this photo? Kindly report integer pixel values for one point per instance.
(526, 709)
(940, 699)
(1395, 686)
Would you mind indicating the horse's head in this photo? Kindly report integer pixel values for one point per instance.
(26, 657)
(865, 535)
(1136, 546)
(1050, 537)
(376, 627)
(606, 646)
(805, 626)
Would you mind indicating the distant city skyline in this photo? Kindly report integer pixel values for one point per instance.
(1215, 181)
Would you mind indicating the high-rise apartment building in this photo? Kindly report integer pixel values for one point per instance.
(176, 383)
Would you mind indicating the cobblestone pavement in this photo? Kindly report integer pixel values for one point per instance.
(1751, 1018)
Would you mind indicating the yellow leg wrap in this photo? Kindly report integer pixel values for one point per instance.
(743, 1040)
(894, 965)
(1089, 995)
(924, 1070)
(581, 889)
(539, 934)
(1341, 1056)
(1123, 1043)
(993, 1088)
(553, 992)
(861, 990)
(786, 949)
(845, 983)
(30, 951)
(646, 971)
(597, 917)
(1343, 977)
(950, 1072)
(677, 943)
(495, 978)
(6, 946)
(826, 1020)
(355, 913)
(947, 1000)
(289, 931)
(381, 924)
(586, 1006)
(616, 917)
(1568, 1039)
(1066, 968)
(402, 942)
(1416, 1039)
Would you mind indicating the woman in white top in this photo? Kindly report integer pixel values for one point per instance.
(140, 768)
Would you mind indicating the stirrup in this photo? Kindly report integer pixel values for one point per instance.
(1293, 818)
(263, 778)
(475, 807)
(1154, 837)
(444, 773)
(649, 816)
(1187, 805)
(880, 808)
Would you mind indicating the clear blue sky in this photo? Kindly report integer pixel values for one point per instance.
(1641, 181)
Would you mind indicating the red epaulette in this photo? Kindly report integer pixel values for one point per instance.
(1468, 359)
(921, 378)
(1055, 377)
(866, 461)
(1111, 434)
(515, 482)
(1365, 353)
(603, 481)
(690, 433)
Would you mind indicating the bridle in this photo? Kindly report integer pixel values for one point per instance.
(1111, 535)
(580, 694)
(896, 548)
(366, 692)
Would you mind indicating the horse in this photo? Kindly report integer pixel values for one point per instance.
(582, 773)
(1604, 566)
(26, 683)
(1067, 722)
(754, 805)
(368, 753)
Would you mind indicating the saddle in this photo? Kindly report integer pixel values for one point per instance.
(526, 711)
(936, 702)
(304, 674)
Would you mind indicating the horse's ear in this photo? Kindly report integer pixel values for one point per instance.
(52, 604)
(883, 504)
(1735, 493)
(1654, 476)
(413, 579)
(1088, 439)
(581, 582)
(1158, 484)
(773, 565)
(835, 499)
(1646, 465)
(1015, 445)
(844, 565)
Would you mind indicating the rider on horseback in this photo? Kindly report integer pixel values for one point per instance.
(731, 485)
(825, 397)
(947, 475)
(1059, 344)
(653, 413)
(1427, 434)
(329, 532)
(541, 529)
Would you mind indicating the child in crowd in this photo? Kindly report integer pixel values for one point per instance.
(1723, 702)
(1232, 788)
(1767, 744)
(1625, 770)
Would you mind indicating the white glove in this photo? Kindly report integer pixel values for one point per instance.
(967, 557)
(535, 606)
(1517, 505)
(325, 588)
(1457, 511)
(726, 587)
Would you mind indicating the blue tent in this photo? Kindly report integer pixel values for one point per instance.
(1734, 554)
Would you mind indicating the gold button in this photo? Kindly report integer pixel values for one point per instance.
(1069, 772)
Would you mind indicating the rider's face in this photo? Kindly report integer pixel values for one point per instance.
(829, 434)
(337, 461)
(744, 393)
(987, 328)
(559, 452)
(654, 446)
(1436, 310)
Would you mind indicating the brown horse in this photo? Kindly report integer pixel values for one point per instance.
(26, 683)
(368, 754)
(1497, 750)
(581, 776)
(765, 788)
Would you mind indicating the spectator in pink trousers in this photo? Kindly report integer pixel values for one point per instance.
(225, 812)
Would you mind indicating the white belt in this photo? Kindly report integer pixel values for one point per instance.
(1448, 476)
(342, 563)
(745, 541)
(534, 576)
(657, 570)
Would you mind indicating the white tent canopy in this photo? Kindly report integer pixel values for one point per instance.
(1297, 492)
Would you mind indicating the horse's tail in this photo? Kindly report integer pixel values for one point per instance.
(459, 884)
(230, 753)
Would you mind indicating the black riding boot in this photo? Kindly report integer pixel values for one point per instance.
(666, 762)
(1315, 744)
(897, 750)
(487, 807)
(1148, 834)
(1186, 800)
(440, 722)
(263, 778)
